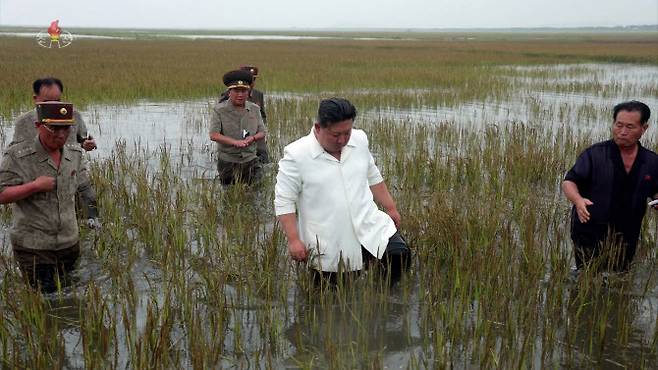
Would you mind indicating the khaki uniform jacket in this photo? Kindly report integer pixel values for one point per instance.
(24, 128)
(45, 220)
(230, 121)
(255, 96)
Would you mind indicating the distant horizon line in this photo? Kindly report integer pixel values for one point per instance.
(647, 27)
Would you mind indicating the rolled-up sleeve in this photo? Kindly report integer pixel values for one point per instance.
(8, 174)
(288, 185)
(261, 126)
(215, 122)
(581, 171)
(374, 176)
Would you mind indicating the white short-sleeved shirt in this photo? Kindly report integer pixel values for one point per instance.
(336, 213)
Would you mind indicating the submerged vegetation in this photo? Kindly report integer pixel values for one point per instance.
(473, 145)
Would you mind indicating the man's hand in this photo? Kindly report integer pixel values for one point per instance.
(15, 193)
(240, 143)
(654, 199)
(297, 250)
(44, 183)
(89, 144)
(570, 189)
(581, 209)
(395, 216)
(94, 224)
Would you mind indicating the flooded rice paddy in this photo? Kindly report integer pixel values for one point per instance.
(186, 273)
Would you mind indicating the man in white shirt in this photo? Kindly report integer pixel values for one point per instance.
(325, 197)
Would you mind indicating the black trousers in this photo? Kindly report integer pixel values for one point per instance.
(45, 269)
(261, 152)
(393, 264)
(610, 253)
(230, 173)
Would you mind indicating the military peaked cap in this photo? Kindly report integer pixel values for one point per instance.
(251, 68)
(238, 78)
(55, 113)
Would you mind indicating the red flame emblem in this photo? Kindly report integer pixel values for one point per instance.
(54, 36)
(54, 31)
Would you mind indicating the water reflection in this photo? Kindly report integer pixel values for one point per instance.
(360, 316)
(617, 343)
(540, 105)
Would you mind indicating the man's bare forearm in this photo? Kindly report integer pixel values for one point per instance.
(288, 223)
(570, 190)
(296, 248)
(219, 138)
(15, 193)
(260, 135)
(382, 196)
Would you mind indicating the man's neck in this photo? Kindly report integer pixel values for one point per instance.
(628, 150)
(335, 155)
(239, 106)
(54, 153)
(628, 156)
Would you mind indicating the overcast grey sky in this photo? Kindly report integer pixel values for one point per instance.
(286, 14)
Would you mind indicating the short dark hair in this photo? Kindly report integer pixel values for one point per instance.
(335, 110)
(46, 81)
(633, 106)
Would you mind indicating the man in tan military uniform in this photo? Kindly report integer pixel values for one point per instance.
(236, 126)
(256, 97)
(50, 89)
(41, 177)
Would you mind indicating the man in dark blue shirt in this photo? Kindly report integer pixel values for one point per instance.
(609, 186)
